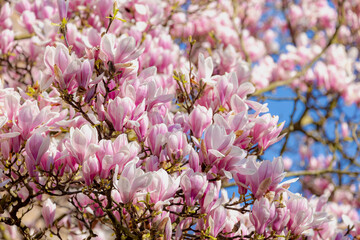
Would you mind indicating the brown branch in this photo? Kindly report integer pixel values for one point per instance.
(321, 172)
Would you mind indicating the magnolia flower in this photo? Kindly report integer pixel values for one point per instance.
(162, 187)
(262, 214)
(36, 146)
(83, 142)
(131, 181)
(177, 144)
(199, 119)
(156, 137)
(120, 111)
(194, 185)
(266, 131)
(6, 41)
(63, 65)
(216, 144)
(63, 6)
(217, 220)
(118, 51)
(48, 212)
(205, 69)
(90, 169)
(84, 75)
(267, 177)
(302, 215)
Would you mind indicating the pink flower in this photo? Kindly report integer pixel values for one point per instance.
(5, 14)
(63, 66)
(217, 220)
(119, 158)
(241, 182)
(237, 123)
(156, 95)
(211, 196)
(36, 146)
(162, 188)
(216, 143)
(234, 161)
(194, 162)
(83, 77)
(28, 18)
(156, 138)
(63, 6)
(295, 13)
(11, 105)
(267, 177)
(90, 169)
(199, 119)
(262, 214)
(120, 111)
(194, 185)
(5, 143)
(82, 143)
(302, 215)
(281, 219)
(266, 131)
(104, 7)
(131, 181)
(118, 51)
(30, 117)
(177, 144)
(287, 163)
(6, 41)
(345, 130)
(205, 69)
(48, 212)
(163, 224)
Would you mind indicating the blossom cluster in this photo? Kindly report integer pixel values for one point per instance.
(114, 131)
(250, 30)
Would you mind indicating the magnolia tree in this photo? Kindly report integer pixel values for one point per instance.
(133, 119)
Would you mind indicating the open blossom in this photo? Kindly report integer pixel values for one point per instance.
(216, 144)
(120, 111)
(30, 116)
(131, 181)
(83, 142)
(48, 212)
(302, 215)
(118, 51)
(6, 41)
(135, 132)
(266, 131)
(63, 65)
(267, 177)
(36, 146)
(194, 185)
(162, 187)
(90, 169)
(199, 119)
(216, 220)
(263, 214)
